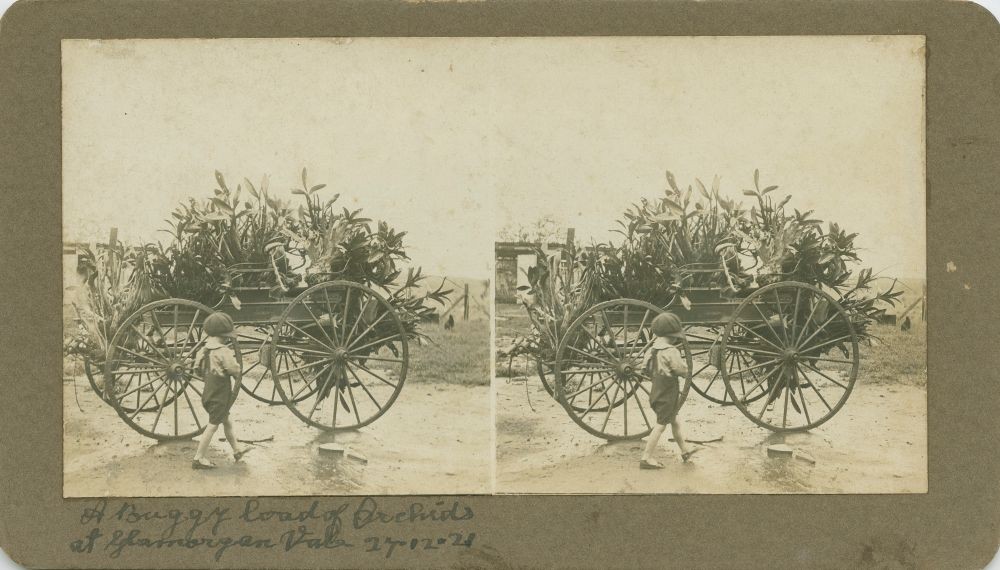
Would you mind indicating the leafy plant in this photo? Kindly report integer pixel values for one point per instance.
(117, 282)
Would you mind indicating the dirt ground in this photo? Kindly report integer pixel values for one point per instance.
(876, 444)
(435, 439)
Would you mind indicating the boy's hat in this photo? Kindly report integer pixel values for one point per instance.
(219, 324)
(667, 324)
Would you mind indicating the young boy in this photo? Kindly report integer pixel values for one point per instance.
(666, 367)
(218, 367)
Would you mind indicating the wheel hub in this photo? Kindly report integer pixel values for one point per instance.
(175, 369)
(790, 355)
(339, 355)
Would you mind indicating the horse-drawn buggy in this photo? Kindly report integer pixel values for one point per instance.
(773, 312)
(335, 353)
(785, 355)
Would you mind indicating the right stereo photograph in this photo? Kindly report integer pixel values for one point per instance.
(710, 267)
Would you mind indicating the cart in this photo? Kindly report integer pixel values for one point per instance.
(784, 354)
(335, 353)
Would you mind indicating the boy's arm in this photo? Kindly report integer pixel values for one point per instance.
(229, 363)
(672, 360)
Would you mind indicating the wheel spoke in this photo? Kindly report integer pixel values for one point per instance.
(376, 359)
(142, 356)
(827, 343)
(795, 314)
(751, 349)
(784, 413)
(781, 313)
(314, 339)
(363, 387)
(820, 328)
(805, 324)
(770, 395)
(357, 321)
(598, 342)
(639, 404)
(744, 400)
(367, 330)
(820, 372)
(611, 406)
(143, 405)
(343, 322)
(135, 371)
(354, 405)
(589, 387)
(591, 356)
(802, 397)
(310, 365)
(302, 350)
(585, 371)
(813, 386)
(368, 371)
(319, 393)
(753, 332)
(825, 359)
(767, 321)
(329, 311)
(373, 343)
(194, 413)
(137, 388)
(611, 333)
(194, 349)
(319, 325)
(761, 365)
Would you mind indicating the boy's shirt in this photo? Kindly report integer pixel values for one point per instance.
(222, 359)
(668, 358)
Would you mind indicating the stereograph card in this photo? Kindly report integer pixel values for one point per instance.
(590, 285)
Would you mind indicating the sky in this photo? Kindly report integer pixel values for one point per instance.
(452, 138)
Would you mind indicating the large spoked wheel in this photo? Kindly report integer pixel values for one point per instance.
(96, 378)
(599, 375)
(341, 356)
(706, 379)
(151, 377)
(793, 347)
(257, 380)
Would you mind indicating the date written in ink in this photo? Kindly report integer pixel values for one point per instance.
(389, 545)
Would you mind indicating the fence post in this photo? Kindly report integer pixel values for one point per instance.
(465, 307)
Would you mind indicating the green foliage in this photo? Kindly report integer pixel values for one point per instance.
(685, 240)
(117, 282)
(213, 241)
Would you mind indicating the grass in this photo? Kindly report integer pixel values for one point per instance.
(895, 357)
(459, 356)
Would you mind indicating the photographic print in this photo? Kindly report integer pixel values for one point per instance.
(710, 272)
(275, 274)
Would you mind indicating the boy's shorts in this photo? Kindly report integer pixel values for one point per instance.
(663, 397)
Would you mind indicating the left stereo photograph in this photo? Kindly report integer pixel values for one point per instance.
(259, 295)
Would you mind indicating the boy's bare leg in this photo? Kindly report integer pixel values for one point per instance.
(206, 440)
(675, 427)
(651, 441)
(227, 427)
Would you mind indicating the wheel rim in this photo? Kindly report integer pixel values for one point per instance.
(342, 356)
(599, 374)
(794, 348)
(154, 383)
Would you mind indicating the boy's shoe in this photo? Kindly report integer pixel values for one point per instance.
(239, 454)
(643, 464)
(200, 465)
(686, 456)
